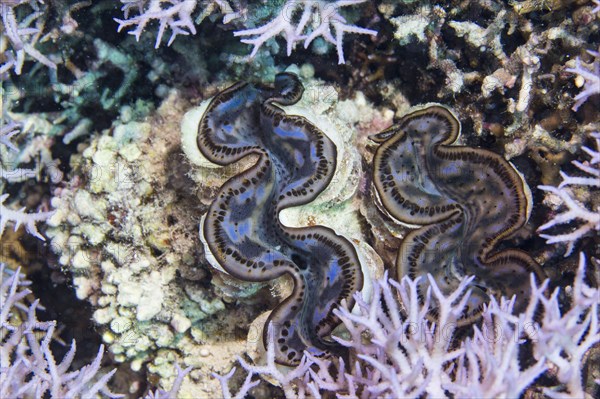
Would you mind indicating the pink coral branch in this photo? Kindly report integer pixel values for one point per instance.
(22, 38)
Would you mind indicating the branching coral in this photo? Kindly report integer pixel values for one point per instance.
(173, 14)
(399, 353)
(29, 368)
(576, 211)
(172, 393)
(419, 350)
(18, 217)
(565, 333)
(301, 381)
(490, 363)
(6, 134)
(21, 36)
(317, 18)
(591, 78)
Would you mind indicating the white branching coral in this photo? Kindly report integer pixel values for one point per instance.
(6, 134)
(20, 217)
(398, 352)
(298, 21)
(299, 382)
(28, 366)
(489, 365)
(589, 219)
(316, 19)
(420, 350)
(14, 175)
(177, 15)
(19, 38)
(562, 337)
(589, 75)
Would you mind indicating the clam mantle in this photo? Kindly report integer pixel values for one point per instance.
(295, 162)
(463, 200)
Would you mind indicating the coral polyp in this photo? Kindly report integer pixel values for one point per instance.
(242, 230)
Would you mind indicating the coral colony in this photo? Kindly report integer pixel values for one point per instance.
(401, 202)
(317, 19)
(408, 355)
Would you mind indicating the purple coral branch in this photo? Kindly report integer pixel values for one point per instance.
(319, 18)
(400, 353)
(7, 132)
(279, 25)
(28, 366)
(244, 389)
(176, 15)
(564, 337)
(20, 217)
(172, 393)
